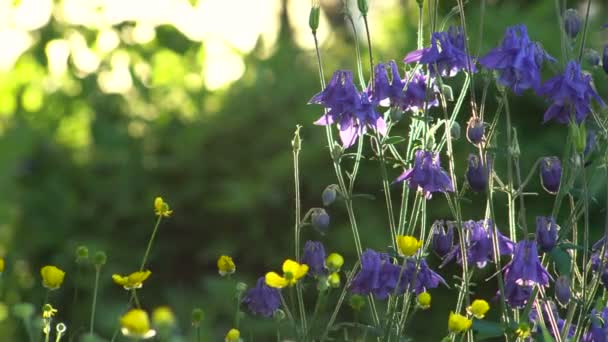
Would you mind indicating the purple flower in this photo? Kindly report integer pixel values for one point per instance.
(477, 173)
(377, 276)
(525, 268)
(518, 60)
(262, 299)
(550, 174)
(517, 296)
(442, 240)
(572, 22)
(562, 290)
(570, 93)
(596, 264)
(398, 93)
(351, 110)
(559, 322)
(427, 174)
(447, 52)
(314, 256)
(599, 325)
(426, 278)
(475, 130)
(546, 233)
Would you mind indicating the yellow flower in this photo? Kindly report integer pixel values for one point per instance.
(225, 265)
(334, 262)
(134, 280)
(334, 280)
(233, 335)
(161, 208)
(523, 330)
(424, 300)
(292, 272)
(458, 323)
(48, 311)
(163, 317)
(478, 308)
(136, 324)
(1, 265)
(408, 245)
(52, 277)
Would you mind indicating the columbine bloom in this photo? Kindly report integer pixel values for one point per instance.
(447, 51)
(518, 60)
(262, 299)
(132, 281)
(550, 174)
(559, 322)
(52, 277)
(458, 323)
(596, 262)
(477, 173)
(546, 233)
(443, 240)
(425, 277)
(516, 296)
(427, 175)
(408, 245)
(314, 257)
(161, 208)
(136, 324)
(599, 325)
(475, 130)
(525, 268)
(478, 308)
(424, 300)
(570, 93)
(334, 262)
(562, 290)
(292, 272)
(480, 249)
(572, 22)
(377, 275)
(351, 110)
(225, 265)
(399, 93)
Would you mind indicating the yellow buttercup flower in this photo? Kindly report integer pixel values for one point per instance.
(136, 324)
(424, 300)
(478, 308)
(1, 265)
(523, 330)
(225, 265)
(161, 208)
(48, 311)
(292, 272)
(458, 323)
(163, 317)
(334, 280)
(408, 245)
(233, 335)
(52, 277)
(334, 262)
(132, 281)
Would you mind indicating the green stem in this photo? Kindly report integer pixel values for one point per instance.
(94, 305)
(369, 47)
(147, 253)
(135, 299)
(585, 29)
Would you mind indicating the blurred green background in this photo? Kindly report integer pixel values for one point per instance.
(106, 104)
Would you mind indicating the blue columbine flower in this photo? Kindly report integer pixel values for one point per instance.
(377, 276)
(475, 130)
(351, 110)
(562, 290)
(570, 93)
(596, 262)
(477, 173)
(314, 256)
(599, 325)
(572, 22)
(546, 233)
(401, 94)
(443, 240)
(559, 322)
(550, 174)
(447, 52)
(262, 299)
(425, 279)
(525, 268)
(518, 60)
(517, 296)
(427, 175)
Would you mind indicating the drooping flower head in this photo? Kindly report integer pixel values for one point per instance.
(477, 173)
(377, 276)
(572, 22)
(516, 296)
(546, 233)
(427, 175)
(408, 94)
(314, 257)
(421, 279)
(525, 268)
(550, 174)
(447, 52)
(443, 240)
(351, 110)
(599, 325)
(518, 60)
(262, 299)
(570, 94)
(475, 130)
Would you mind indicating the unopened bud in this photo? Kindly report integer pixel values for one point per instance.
(197, 316)
(363, 7)
(313, 18)
(100, 258)
(475, 130)
(329, 194)
(579, 136)
(572, 23)
(455, 131)
(320, 219)
(356, 302)
(562, 290)
(82, 254)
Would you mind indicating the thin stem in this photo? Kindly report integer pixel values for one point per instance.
(94, 305)
(463, 23)
(585, 29)
(135, 299)
(357, 51)
(147, 253)
(334, 314)
(369, 47)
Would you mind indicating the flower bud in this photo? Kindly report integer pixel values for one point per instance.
(550, 174)
(197, 316)
(572, 22)
(278, 315)
(408, 245)
(424, 300)
(590, 143)
(363, 7)
(455, 131)
(334, 262)
(475, 130)
(241, 287)
(579, 136)
(233, 335)
(320, 220)
(356, 302)
(82, 254)
(225, 265)
(442, 240)
(477, 174)
(329, 194)
(314, 257)
(2, 264)
(546, 233)
(100, 258)
(592, 57)
(562, 290)
(52, 277)
(313, 17)
(334, 280)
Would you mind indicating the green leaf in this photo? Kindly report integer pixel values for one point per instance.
(487, 329)
(562, 260)
(546, 335)
(393, 140)
(570, 245)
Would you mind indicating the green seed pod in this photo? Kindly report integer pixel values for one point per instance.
(82, 254)
(197, 316)
(100, 258)
(313, 18)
